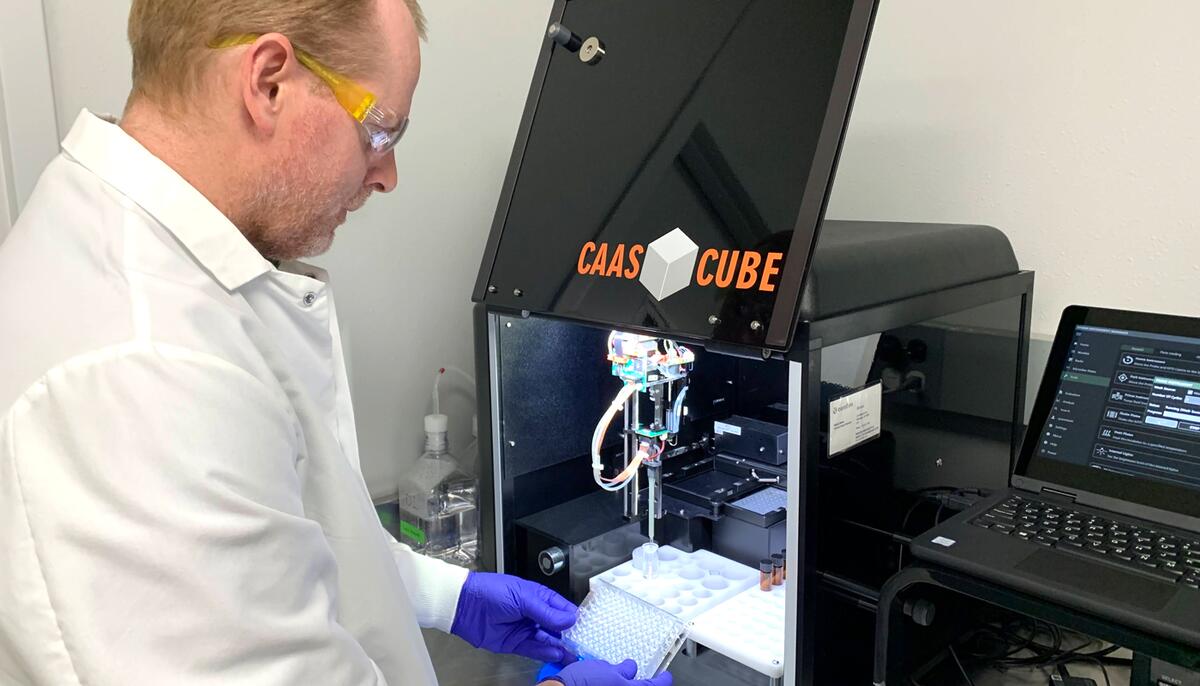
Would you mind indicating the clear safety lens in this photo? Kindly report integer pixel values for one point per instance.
(381, 138)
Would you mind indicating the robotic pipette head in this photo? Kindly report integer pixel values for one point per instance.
(656, 368)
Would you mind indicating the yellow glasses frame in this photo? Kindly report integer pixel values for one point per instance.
(359, 102)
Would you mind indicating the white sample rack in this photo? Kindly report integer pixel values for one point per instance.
(685, 584)
(748, 628)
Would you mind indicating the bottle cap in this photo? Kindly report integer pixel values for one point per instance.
(777, 560)
(436, 423)
(766, 566)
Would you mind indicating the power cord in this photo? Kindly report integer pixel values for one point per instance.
(1010, 639)
(1100, 664)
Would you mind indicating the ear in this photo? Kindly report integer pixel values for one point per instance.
(269, 70)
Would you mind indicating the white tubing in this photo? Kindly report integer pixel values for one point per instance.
(437, 379)
(598, 436)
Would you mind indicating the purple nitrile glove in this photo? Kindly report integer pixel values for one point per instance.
(601, 673)
(507, 614)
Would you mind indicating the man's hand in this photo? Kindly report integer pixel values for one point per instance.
(600, 673)
(506, 614)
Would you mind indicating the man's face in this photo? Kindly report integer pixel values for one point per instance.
(324, 170)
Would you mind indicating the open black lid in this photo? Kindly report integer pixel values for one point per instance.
(674, 163)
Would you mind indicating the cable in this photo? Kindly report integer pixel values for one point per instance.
(942, 496)
(954, 654)
(908, 515)
(642, 455)
(1103, 669)
(1022, 634)
(598, 437)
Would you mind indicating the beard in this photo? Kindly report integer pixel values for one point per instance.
(294, 213)
(285, 223)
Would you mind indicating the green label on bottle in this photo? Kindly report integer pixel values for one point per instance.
(412, 531)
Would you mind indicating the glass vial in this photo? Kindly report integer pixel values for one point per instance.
(766, 574)
(777, 569)
(649, 560)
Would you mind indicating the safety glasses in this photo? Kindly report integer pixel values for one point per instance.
(381, 128)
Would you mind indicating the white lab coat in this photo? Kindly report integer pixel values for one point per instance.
(180, 495)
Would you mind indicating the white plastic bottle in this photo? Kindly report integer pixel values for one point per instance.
(437, 499)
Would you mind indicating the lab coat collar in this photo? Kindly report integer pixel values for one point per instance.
(120, 161)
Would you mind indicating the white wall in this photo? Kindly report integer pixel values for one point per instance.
(28, 130)
(8, 205)
(90, 56)
(1070, 125)
(405, 266)
(8, 211)
(7, 215)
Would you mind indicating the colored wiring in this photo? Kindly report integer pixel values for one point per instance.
(619, 481)
(643, 455)
(659, 359)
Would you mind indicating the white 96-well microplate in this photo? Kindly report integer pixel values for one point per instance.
(615, 626)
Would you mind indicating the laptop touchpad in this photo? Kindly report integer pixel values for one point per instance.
(1098, 579)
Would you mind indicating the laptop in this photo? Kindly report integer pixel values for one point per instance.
(1103, 512)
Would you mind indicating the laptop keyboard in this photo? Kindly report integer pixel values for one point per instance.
(1168, 556)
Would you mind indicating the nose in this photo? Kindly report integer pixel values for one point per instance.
(381, 174)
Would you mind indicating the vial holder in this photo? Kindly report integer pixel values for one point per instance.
(684, 584)
(615, 626)
(749, 629)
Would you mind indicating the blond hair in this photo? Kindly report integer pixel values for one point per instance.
(170, 39)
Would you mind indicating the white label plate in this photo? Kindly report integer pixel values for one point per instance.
(855, 419)
(723, 428)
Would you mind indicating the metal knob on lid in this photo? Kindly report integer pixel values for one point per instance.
(592, 51)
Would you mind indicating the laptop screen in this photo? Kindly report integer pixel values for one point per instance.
(1128, 402)
(1122, 416)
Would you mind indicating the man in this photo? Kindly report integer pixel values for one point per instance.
(180, 496)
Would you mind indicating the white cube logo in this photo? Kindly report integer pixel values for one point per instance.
(669, 264)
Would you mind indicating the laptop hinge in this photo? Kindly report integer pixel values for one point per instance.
(1057, 494)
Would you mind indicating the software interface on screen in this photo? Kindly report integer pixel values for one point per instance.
(1128, 402)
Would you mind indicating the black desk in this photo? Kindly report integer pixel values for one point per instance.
(961, 601)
